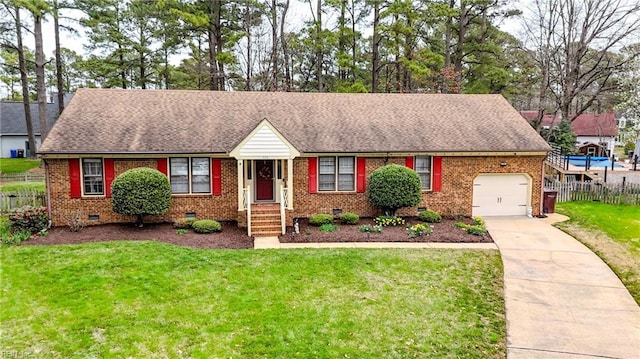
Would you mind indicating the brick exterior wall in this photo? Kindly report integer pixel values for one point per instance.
(222, 208)
(454, 199)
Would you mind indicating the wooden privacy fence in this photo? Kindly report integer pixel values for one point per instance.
(610, 193)
(13, 200)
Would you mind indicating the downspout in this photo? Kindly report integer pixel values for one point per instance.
(541, 189)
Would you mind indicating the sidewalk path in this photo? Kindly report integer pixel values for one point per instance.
(561, 300)
(274, 243)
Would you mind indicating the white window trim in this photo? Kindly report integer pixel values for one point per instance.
(430, 172)
(336, 175)
(92, 195)
(189, 179)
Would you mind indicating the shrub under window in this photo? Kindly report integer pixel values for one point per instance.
(140, 192)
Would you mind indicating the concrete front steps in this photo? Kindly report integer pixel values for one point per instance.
(265, 220)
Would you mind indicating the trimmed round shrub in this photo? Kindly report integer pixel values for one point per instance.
(392, 187)
(320, 219)
(349, 218)
(141, 192)
(206, 226)
(430, 216)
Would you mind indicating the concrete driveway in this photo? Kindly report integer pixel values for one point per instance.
(561, 300)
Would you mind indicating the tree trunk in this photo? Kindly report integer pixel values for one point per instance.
(342, 43)
(274, 44)
(216, 69)
(354, 43)
(24, 80)
(59, 80)
(213, 63)
(247, 85)
(123, 73)
(375, 48)
(42, 93)
(285, 49)
(319, 46)
(142, 65)
(167, 75)
(447, 36)
(462, 31)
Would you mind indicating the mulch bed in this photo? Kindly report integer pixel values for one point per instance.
(230, 237)
(236, 238)
(444, 232)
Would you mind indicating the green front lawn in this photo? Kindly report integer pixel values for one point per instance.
(23, 186)
(147, 299)
(621, 223)
(612, 232)
(17, 165)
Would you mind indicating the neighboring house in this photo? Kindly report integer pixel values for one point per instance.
(228, 152)
(600, 129)
(13, 126)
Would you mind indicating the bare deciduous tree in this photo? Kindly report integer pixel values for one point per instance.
(575, 43)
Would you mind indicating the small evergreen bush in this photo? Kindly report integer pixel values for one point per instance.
(206, 226)
(350, 218)
(183, 223)
(32, 219)
(430, 216)
(320, 219)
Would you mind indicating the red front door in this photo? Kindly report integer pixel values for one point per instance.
(264, 180)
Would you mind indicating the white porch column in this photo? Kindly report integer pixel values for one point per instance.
(290, 183)
(240, 185)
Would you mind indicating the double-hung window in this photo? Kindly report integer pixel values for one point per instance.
(336, 173)
(190, 175)
(92, 176)
(423, 168)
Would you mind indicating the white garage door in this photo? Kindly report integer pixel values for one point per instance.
(500, 195)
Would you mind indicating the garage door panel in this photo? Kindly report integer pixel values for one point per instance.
(500, 195)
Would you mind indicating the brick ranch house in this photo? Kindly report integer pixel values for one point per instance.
(235, 156)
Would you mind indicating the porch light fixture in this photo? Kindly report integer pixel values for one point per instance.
(503, 164)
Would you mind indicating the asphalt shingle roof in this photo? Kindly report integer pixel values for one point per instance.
(12, 120)
(172, 121)
(586, 124)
